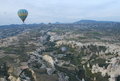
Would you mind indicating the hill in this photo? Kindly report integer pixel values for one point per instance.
(92, 21)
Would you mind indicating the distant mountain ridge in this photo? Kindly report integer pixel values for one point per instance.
(92, 21)
(77, 22)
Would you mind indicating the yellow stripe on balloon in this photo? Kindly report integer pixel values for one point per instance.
(22, 14)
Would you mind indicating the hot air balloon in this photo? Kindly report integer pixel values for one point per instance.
(63, 49)
(23, 13)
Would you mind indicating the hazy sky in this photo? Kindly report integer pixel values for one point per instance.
(59, 10)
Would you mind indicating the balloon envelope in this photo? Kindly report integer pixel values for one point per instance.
(23, 13)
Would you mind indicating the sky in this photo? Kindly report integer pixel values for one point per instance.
(65, 11)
